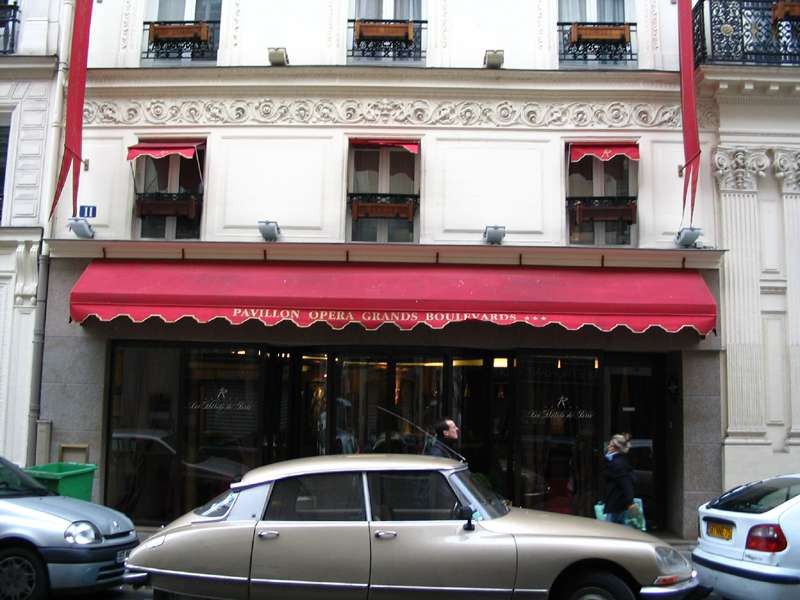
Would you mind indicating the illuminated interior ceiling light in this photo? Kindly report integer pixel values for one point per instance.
(500, 363)
(596, 363)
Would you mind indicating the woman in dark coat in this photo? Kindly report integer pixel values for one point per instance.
(618, 477)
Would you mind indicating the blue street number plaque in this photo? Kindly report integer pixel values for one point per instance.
(87, 211)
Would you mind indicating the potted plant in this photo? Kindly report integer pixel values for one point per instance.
(785, 10)
(383, 210)
(582, 32)
(383, 30)
(179, 32)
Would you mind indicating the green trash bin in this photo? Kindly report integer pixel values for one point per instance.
(66, 478)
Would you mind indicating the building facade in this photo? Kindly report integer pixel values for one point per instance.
(294, 259)
(29, 134)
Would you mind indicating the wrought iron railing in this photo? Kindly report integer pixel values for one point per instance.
(753, 32)
(602, 208)
(383, 206)
(387, 40)
(9, 24)
(169, 204)
(175, 40)
(609, 43)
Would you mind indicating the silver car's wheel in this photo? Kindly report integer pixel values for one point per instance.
(22, 575)
(597, 585)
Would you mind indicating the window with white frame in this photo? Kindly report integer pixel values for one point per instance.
(169, 191)
(383, 191)
(184, 10)
(595, 11)
(181, 29)
(404, 10)
(601, 193)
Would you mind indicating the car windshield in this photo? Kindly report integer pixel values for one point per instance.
(14, 482)
(219, 506)
(758, 497)
(488, 502)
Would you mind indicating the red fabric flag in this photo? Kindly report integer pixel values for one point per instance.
(76, 92)
(691, 136)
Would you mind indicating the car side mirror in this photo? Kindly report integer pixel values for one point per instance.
(465, 513)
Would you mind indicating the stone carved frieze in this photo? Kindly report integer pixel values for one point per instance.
(787, 169)
(388, 111)
(738, 169)
(127, 18)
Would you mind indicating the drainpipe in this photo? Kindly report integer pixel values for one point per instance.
(54, 139)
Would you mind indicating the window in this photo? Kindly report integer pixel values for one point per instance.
(411, 496)
(169, 189)
(323, 497)
(182, 29)
(759, 497)
(383, 191)
(4, 136)
(601, 194)
(388, 30)
(591, 11)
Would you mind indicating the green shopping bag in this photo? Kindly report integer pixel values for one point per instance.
(636, 520)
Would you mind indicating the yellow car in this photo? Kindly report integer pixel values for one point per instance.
(374, 526)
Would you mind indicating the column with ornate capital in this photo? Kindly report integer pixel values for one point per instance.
(737, 170)
(787, 170)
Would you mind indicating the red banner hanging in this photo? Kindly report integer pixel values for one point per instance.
(76, 92)
(691, 136)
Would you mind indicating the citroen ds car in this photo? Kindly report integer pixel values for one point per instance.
(392, 527)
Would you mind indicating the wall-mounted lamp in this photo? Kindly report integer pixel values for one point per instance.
(80, 227)
(493, 59)
(278, 57)
(494, 234)
(687, 237)
(269, 230)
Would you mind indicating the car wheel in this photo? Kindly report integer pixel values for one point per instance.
(597, 585)
(22, 575)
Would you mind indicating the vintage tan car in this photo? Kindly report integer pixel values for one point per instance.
(396, 527)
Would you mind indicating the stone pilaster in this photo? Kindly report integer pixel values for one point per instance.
(787, 170)
(737, 170)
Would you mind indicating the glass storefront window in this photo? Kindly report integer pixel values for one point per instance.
(223, 404)
(314, 404)
(144, 447)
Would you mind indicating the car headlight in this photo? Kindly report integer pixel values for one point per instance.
(82, 533)
(671, 561)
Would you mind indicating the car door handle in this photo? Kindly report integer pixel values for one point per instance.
(268, 534)
(383, 534)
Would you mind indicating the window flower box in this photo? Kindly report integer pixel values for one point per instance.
(383, 30)
(383, 210)
(620, 34)
(179, 32)
(785, 10)
(167, 205)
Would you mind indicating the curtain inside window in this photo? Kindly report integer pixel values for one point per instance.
(572, 11)
(368, 9)
(611, 11)
(208, 10)
(171, 10)
(408, 10)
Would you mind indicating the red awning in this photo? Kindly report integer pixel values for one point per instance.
(410, 145)
(405, 295)
(186, 149)
(604, 151)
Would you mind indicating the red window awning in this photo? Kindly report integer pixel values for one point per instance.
(410, 145)
(405, 295)
(186, 149)
(604, 151)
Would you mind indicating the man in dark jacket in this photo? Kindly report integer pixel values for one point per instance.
(446, 432)
(618, 477)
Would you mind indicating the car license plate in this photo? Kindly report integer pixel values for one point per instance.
(122, 555)
(719, 530)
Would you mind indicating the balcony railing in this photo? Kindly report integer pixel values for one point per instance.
(167, 204)
(752, 32)
(175, 40)
(613, 44)
(383, 206)
(9, 24)
(602, 208)
(386, 40)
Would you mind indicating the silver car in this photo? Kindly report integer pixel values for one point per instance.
(749, 544)
(391, 527)
(50, 542)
